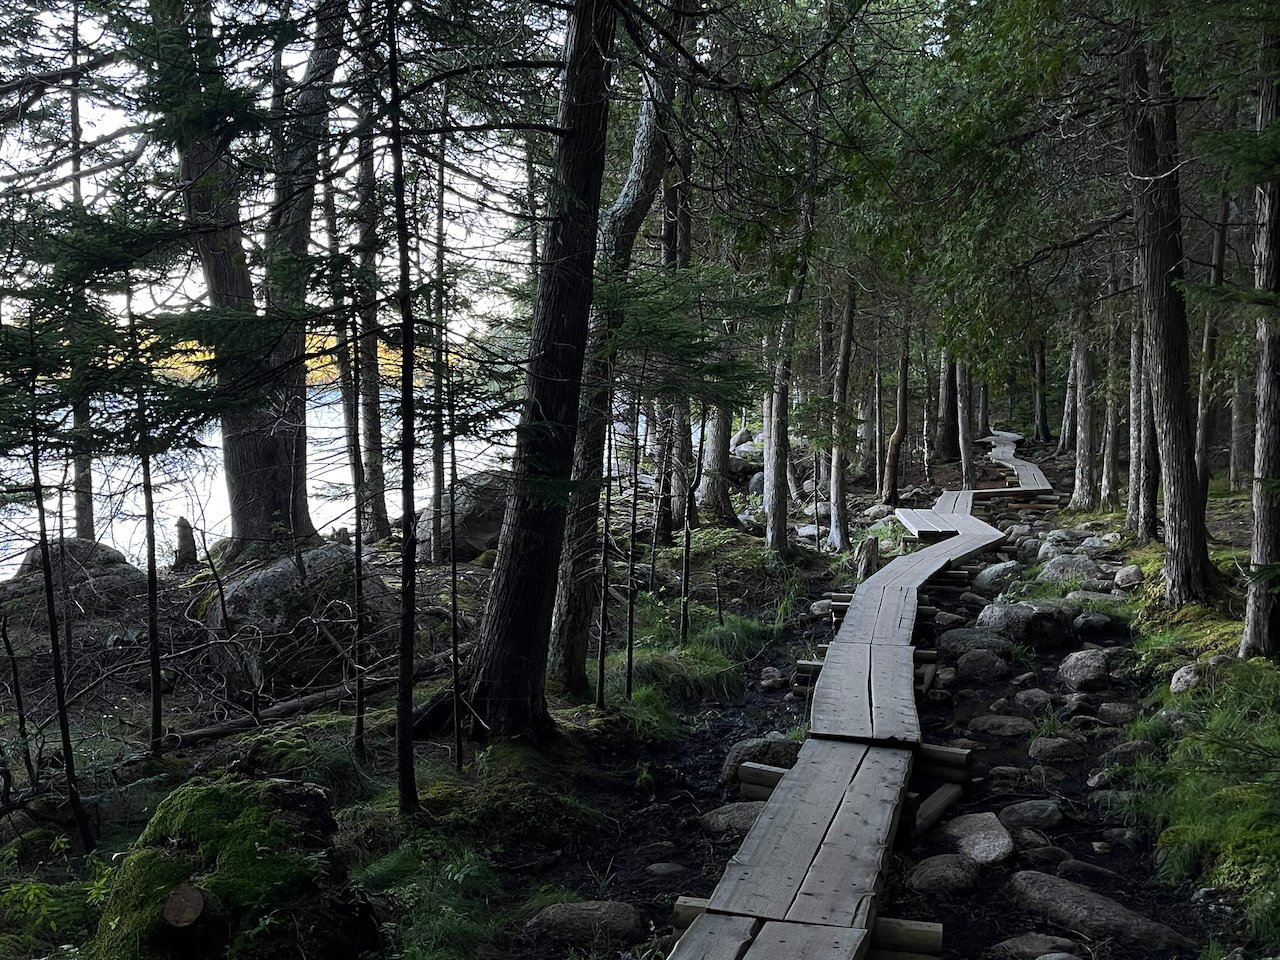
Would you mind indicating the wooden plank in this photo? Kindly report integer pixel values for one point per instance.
(716, 937)
(793, 941)
(918, 936)
(848, 872)
(893, 695)
(936, 805)
(762, 878)
(841, 704)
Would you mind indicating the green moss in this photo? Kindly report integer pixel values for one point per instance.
(259, 847)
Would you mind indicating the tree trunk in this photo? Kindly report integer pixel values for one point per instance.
(264, 444)
(838, 536)
(373, 511)
(682, 466)
(969, 478)
(510, 665)
(438, 336)
(889, 489)
(1242, 436)
(1153, 163)
(1070, 404)
(984, 410)
(1137, 388)
(577, 586)
(946, 441)
(1085, 495)
(1109, 495)
(1148, 496)
(1040, 390)
(714, 499)
(1262, 615)
(1206, 411)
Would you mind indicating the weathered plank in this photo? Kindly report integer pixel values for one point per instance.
(764, 875)
(716, 937)
(842, 705)
(848, 872)
(792, 941)
(893, 695)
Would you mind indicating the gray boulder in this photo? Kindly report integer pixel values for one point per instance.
(1054, 748)
(1084, 670)
(945, 873)
(1130, 576)
(755, 486)
(878, 511)
(956, 643)
(294, 620)
(1031, 622)
(478, 503)
(979, 836)
(996, 725)
(981, 666)
(997, 578)
(733, 819)
(1073, 907)
(1037, 814)
(586, 922)
(1030, 946)
(774, 751)
(1069, 567)
(1117, 714)
(742, 436)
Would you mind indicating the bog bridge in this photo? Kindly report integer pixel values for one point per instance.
(806, 881)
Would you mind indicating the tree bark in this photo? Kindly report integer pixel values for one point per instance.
(946, 440)
(1085, 495)
(1153, 163)
(1040, 391)
(1070, 404)
(984, 410)
(838, 535)
(1206, 412)
(964, 430)
(1242, 436)
(889, 488)
(1109, 495)
(578, 587)
(714, 499)
(1262, 614)
(507, 685)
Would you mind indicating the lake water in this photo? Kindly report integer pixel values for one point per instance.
(194, 486)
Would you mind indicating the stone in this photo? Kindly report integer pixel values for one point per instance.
(981, 666)
(956, 643)
(586, 922)
(1084, 670)
(1129, 752)
(1082, 871)
(1054, 748)
(1038, 814)
(755, 485)
(878, 511)
(1129, 577)
(1035, 623)
(1033, 700)
(820, 608)
(288, 616)
(1111, 799)
(1001, 726)
(771, 678)
(733, 818)
(665, 869)
(1058, 955)
(1050, 551)
(979, 836)
(807, 532)
(993, 580)
(1186, 678)
(478, 501)
(1093, 627)
(1046, 856)
(774, 751)
(1030, 946)
(942, 621)
(1126, 837)
(744, 435)
(184, 554)
(1092, 596)
(1068, 568)
(945, 873)
(1093, 547)
(1078, 908)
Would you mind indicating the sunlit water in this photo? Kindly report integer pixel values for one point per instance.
(193, 485)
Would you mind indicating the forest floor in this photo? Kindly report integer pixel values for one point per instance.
(611, 809)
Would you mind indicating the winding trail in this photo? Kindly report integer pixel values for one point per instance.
(806, 881)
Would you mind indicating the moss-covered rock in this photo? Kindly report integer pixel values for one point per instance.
(262, 850)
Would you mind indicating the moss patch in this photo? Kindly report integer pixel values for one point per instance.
(260, 848)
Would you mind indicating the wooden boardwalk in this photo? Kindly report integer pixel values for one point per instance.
(805, 882)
